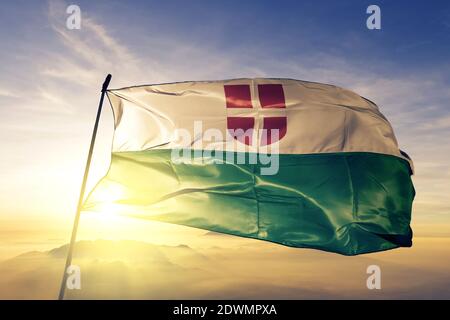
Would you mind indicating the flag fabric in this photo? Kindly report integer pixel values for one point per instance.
(298, 163)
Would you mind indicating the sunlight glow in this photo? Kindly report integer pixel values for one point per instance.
(107, 198)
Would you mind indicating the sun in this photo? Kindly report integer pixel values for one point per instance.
(106, 199)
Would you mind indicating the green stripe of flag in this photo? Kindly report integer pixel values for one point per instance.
(349, 203)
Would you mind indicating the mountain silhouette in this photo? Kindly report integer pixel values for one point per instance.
(254, 270)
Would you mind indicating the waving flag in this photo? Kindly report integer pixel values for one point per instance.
(297, 163)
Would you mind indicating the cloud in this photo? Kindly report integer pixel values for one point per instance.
(8, 93)
(138, 270)
(436, 124)
(86, 53)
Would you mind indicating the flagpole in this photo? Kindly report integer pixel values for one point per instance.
(83, 188)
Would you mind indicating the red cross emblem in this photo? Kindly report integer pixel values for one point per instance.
(271, 105)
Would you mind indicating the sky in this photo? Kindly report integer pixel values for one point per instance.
(50, 80)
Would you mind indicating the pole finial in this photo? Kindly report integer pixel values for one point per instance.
(106, 83)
